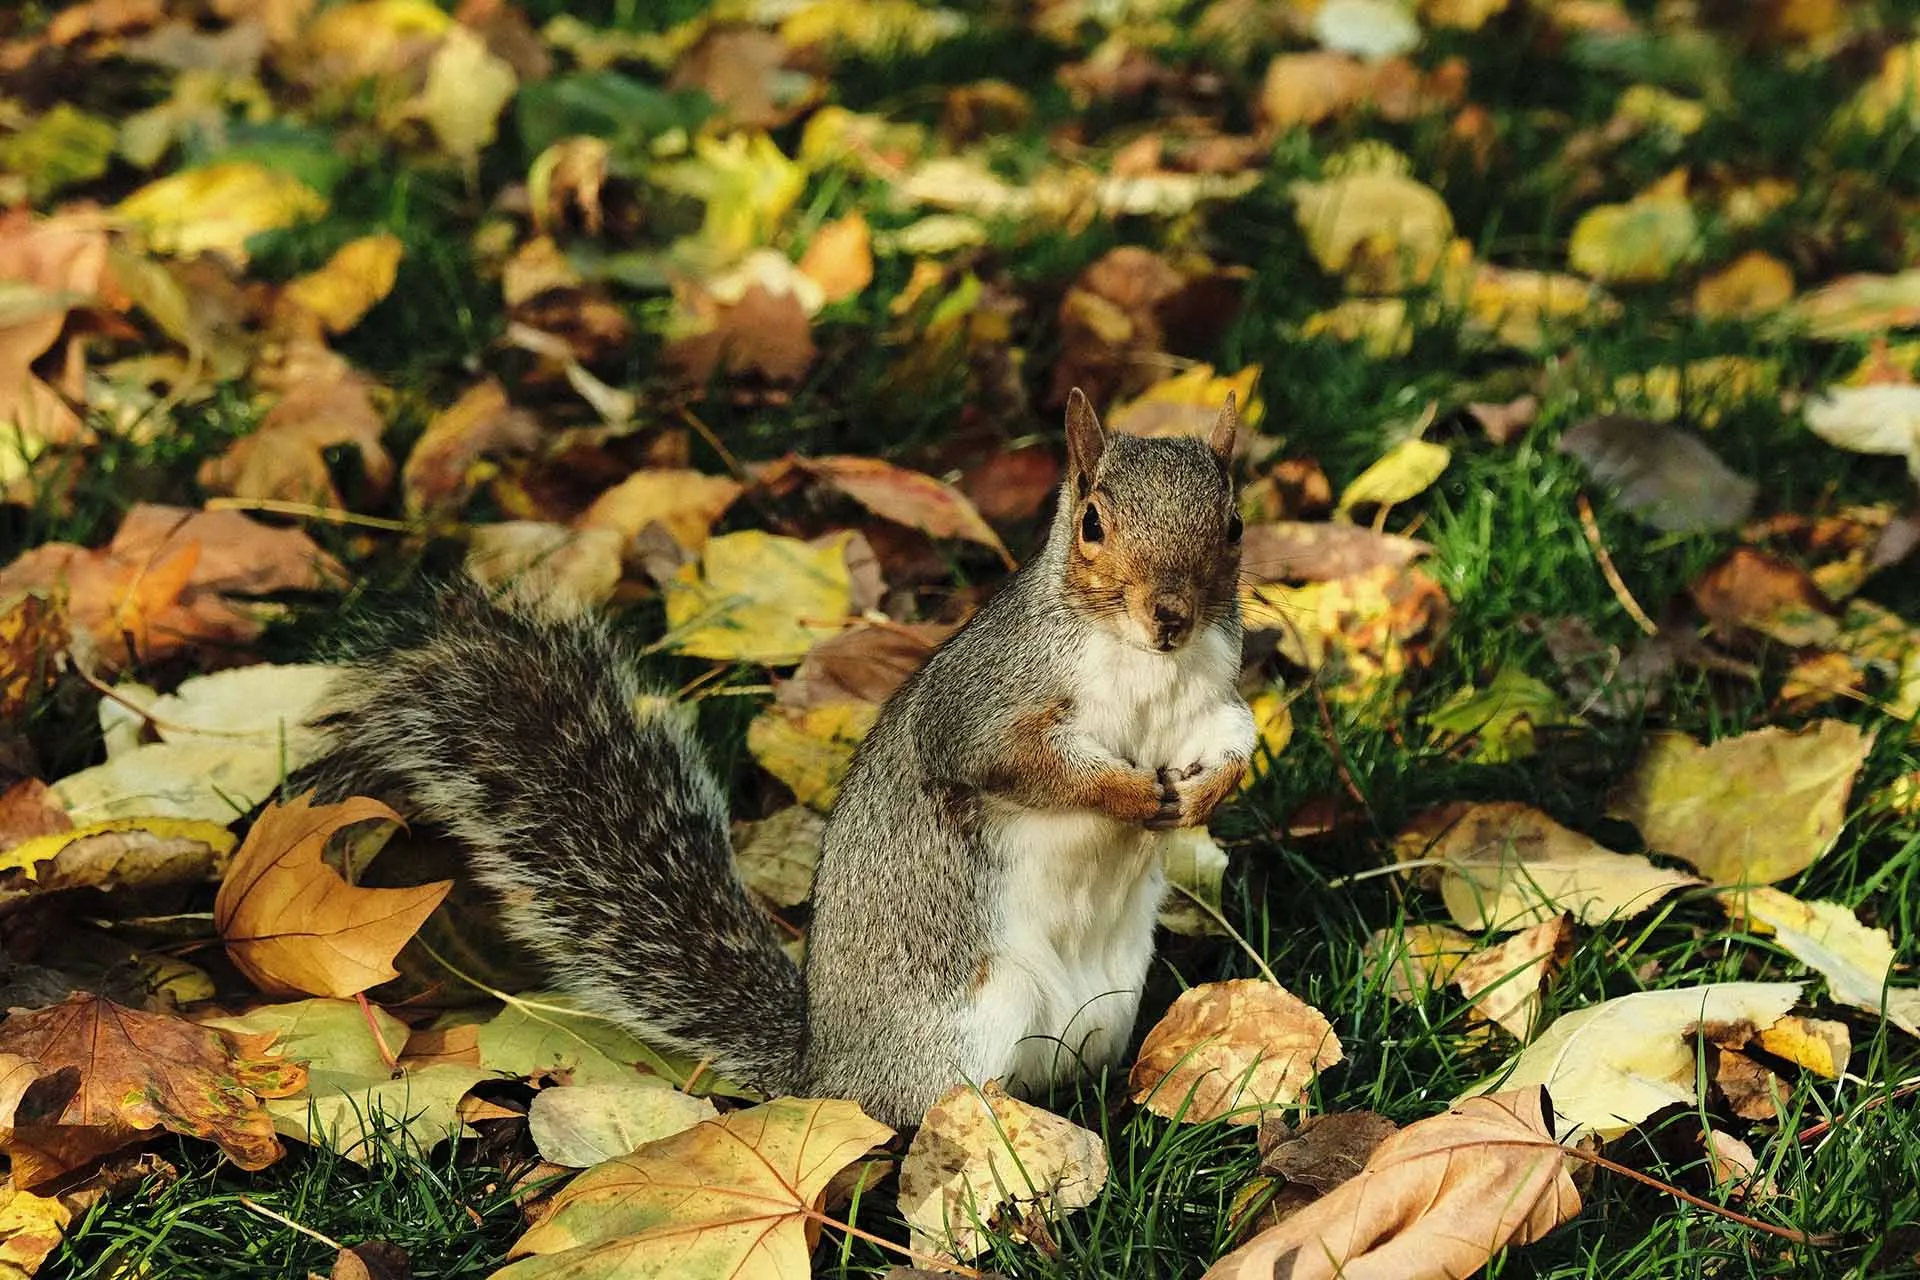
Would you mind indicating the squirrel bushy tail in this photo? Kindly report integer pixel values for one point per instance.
(586, 803)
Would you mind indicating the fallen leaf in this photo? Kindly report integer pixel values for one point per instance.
(776, 856)
(1416, 960)
(1751, 589)
(810, 748)
(1664, 474)
(29, 808)
(1754, 284)
(1379, 326)
(1499, 719)
(1325, 1151)
(324, 404)
(1856, 961)
(1528, 310)
(338, 1040)
(467, 87)
(353, 281)
(1508, 866)
(719, 1197)
(1304, 551)
(1436, 1200)
(1640, 242)
(211, 781)
(840, 258)
(267, 706)
(549, 1035)
(759, 597)
(1188, 403)
(764, 332)
(1012, 484)
(217, 209)
(1230, 1049)
(419, 1107)
(864, 663)
(1369, 28)
(1610, 1066)
(138, 1071)
(748, 185)
(1505, 982)
(1196, 867)
(1753, 1091)
(450, 458)
(548, 568)
(912, 498)
(293, 926)
(1860, 305)
(981, 1157)
(1503, 422)
(1358, 634)
(371, 1260)
(1881, 418)
(1403, 472)
(587, 1124)
(1820, 1045)
(1736, 1170)
(1751, 809)
(121, 855)
(31, 1228)
(1382, 231)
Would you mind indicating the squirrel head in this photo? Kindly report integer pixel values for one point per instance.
(1151, 527)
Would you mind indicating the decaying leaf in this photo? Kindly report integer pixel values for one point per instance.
(587, 1124)
(1610, 1066)
(1764, 593)
(1508, 866)
(1662, 473)
(686, 503)
(1505, 982)
(810, 748)
(138, 1071)
(1436, 1200)
(982, 1158)
(1231, 1049)
(907, 497)
(1751, 809)
(776, 856)
(293, 925)
(120, 854)
(704, 1201)
(759, 597)
(1856, 961)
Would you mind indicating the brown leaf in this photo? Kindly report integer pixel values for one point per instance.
(1229, 1049)
(27, 809)
(1129, 308)
(907, 497)
(137, 1071)
(372, 1260)
(686, 503)
(864, 663)
(1436, 1201)
(323, 402)
(1013, 483)
(1752, 1089)
(1764, 593)
(482, 423)
(31, 633)
(547, 567)
(743, 70)
(1502, 422)
(1297, 551)
(765, 333)
(1505, 982)
(1324, 1151)
(293, 925)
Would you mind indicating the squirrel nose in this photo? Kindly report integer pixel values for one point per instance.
(1172, 615)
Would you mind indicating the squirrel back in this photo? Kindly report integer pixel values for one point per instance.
(587, 805)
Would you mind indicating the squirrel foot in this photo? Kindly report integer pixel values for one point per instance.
(1190, 795)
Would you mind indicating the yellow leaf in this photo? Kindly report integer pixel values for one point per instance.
(748, 184)
(1827, 937)
(1751, 809)
(1232, 1049)
(810, 749)
(1383, 231)
(1379, 325)
(211, 838)
(30, 1229)
(981, 1156)
(685, 503)
(1861, 305)
(355, 278)
(1754, 284)
(1507, 866)
(1273, 729)
(578, 1125)
(1404, 471)
(759, 597)
(1505, 982)
(871, 26)
(349, 42)
(1820, 1045)
(840, 258)
(1525, 309)
(1195, 865)
(1639, 242)
(218, 208)
(1892, 96)
(1416, 960)
(467, 86)
(1611, 1065)
(725, 1195)
(1187, 403)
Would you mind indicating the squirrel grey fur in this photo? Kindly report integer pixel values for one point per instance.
(985, 899)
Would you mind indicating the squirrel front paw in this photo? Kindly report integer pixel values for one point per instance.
(1190, 795)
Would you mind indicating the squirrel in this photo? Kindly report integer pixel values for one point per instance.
(989, 877)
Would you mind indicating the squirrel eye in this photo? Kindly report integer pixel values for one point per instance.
(1235, 526)
(1090, 527)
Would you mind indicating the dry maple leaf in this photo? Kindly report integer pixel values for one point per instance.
(728, 1197)
(1230, 1049)
(323, 402)
(1435, 1201)
(137, 1071)
(981, 1156)
(294, 926)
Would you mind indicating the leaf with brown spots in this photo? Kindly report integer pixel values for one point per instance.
(1230, 1049)
(138, 1071)
(294, 926)
(907, 497)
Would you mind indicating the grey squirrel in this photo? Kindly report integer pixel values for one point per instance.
(985, 899)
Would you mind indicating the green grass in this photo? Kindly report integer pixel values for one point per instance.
(1509, 551)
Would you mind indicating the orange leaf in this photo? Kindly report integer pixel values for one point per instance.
(138, 1071)
(294, 926)
(840, 259)
(908, 497)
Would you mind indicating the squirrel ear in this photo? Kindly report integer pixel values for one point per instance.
(1225, 428)
(1086, 439)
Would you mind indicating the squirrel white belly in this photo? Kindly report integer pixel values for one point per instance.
(985, 900)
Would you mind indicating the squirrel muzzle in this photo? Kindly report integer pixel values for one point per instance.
(1166, 618)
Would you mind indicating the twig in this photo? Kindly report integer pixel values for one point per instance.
(1339, 752)
(306, 510)
(694, 420)
(1591, 527)
(1233, 933)
(926, 1261)
(250, 1203)
(1905, 1089)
